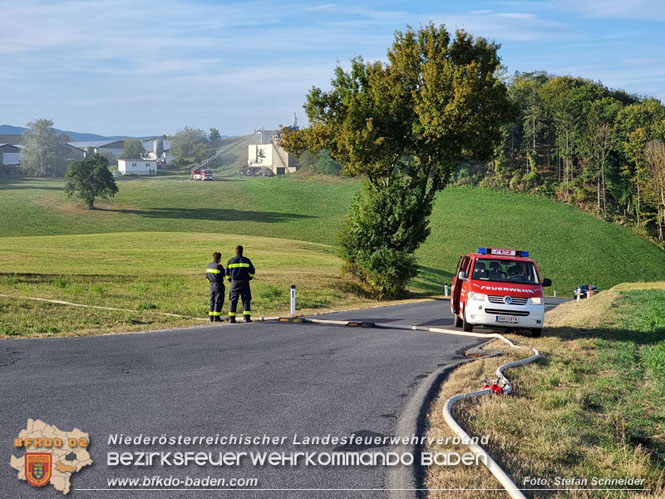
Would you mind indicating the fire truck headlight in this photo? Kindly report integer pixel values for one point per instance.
(537, 301)
(477, 296)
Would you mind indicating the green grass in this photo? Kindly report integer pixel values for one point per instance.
(592, 406)
(144, 249)
(158, 272)
(570, 246)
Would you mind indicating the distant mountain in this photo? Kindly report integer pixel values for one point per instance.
(76, 136)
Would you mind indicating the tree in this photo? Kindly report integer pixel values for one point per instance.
(655, 157)
(190, 146)
(405, 125)
(214, 136)
(89, 178)
(132, 149)
(598, 143)
(45, 153)
(325, 164)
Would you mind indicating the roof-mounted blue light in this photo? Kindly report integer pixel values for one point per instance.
(524, 253)
(482, 251)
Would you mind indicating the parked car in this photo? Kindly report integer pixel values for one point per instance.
(583, 291)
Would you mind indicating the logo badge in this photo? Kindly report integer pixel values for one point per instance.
(507, 300)
(38, 468)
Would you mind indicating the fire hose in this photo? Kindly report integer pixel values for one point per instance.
(501, 385)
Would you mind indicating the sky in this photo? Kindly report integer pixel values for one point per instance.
(151, 67)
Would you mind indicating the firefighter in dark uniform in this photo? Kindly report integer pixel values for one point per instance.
(215, 274)
(240, 271)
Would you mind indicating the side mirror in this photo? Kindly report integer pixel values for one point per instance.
(461, 275)
(547, 282)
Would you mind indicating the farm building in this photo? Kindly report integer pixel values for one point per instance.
(91, 147)
(137, 166)
(271, 156)
(11, 154)
(158, 149)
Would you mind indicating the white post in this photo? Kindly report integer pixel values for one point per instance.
(555, 293)
(578, 295)
(446, 288)
(293, 299)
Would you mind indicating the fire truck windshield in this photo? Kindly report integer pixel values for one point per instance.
(515, 271)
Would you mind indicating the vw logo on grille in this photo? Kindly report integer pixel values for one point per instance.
(507, 300)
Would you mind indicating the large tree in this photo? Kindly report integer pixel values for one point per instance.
(655, 158)
(88, 179)
(190, 146)
(405, 125)
(132, 149)
(45, 153)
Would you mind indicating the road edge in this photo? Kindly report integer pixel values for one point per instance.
(405, 482)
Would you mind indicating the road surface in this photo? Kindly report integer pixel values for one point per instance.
(277, 379)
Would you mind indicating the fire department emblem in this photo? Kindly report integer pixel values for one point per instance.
(507, 300)
(38, 468)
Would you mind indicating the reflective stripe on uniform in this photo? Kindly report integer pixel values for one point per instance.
(247, 312)
(232, 314)
(238, 265)
(228, 277)
(214, 313)
(213, 271)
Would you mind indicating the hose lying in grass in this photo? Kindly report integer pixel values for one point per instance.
(492, 466)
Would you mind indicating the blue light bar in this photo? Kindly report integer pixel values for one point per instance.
(524, 253)
(482, 251)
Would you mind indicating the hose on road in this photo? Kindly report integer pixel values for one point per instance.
(511, 488)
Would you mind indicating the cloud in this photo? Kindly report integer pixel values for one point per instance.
(619, 9)
(509, 26)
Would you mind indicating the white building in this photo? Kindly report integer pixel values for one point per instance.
(271, 156)
(137, 166)
(11, 154)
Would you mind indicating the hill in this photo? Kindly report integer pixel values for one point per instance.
(570, 246)
(76, 136)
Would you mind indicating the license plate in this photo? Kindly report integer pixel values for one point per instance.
(507, 318)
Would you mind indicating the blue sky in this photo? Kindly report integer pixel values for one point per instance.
(151, 67)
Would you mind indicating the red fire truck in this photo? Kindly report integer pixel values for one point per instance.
(200, 174)
(498, 287)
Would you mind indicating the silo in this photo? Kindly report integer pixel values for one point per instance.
(158, 148)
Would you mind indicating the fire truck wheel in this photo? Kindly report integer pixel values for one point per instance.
(536, 332)
(466, 327)
(458, 321)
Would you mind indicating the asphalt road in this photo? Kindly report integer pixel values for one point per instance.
(275, 379)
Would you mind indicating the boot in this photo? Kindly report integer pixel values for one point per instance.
(212, 318)
(248, 318)
(232, 320)
(218, 319)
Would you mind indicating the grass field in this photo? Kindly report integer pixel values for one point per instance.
(592, 406)
(146, 246)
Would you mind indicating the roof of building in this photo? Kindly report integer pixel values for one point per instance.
(148, 144)
(10, 146)
(97, 143)
(10, 139)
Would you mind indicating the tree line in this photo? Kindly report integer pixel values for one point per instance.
(580, 142)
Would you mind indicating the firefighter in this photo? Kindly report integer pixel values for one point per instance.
(215, 274)
(240, 271)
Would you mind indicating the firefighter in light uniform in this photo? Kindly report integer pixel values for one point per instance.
(215, 274)
(240, 271)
